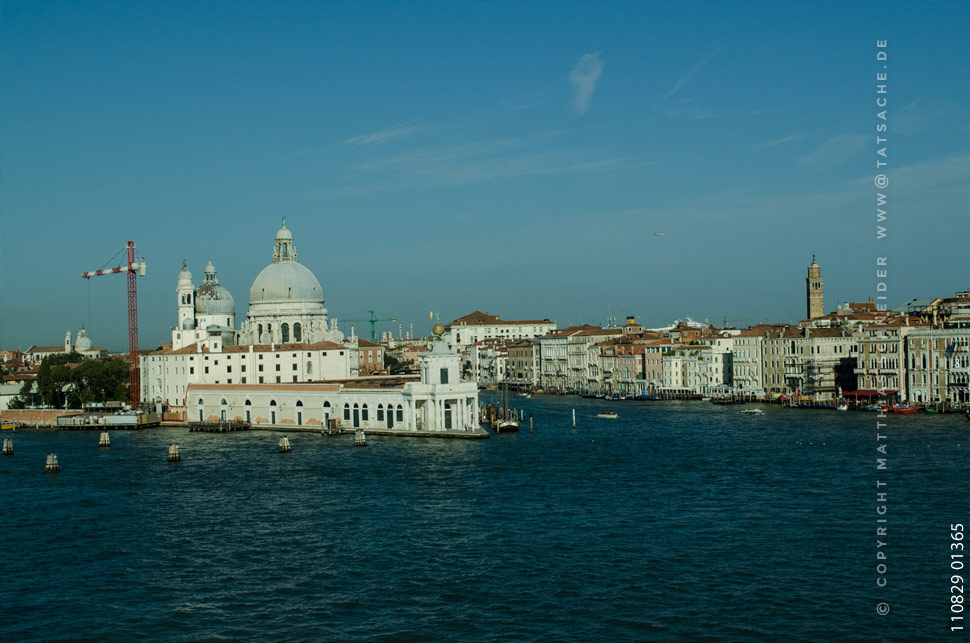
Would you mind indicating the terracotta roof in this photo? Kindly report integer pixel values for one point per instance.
(363, 343)
(46, 349)
(478, 318)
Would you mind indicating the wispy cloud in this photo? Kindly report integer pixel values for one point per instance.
(385, 135)
(690, 73)
(584, 77)
(835, 151)
(782, 141)
(471, 163)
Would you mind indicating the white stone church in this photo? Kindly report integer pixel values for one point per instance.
(289, 365)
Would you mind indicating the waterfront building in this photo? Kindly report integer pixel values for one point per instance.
(815, 303)
(565, 358)
(881, 362)
(819, 362)
(436, 401)
(938, 366)
(653, 369)
(747, 349)
(620, 364)
(478, 326)
(523, 357)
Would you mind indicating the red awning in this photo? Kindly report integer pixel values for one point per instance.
(865, 393)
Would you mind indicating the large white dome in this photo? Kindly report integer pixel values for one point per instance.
(285, 282)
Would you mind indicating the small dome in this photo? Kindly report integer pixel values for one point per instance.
(82, 343)
(213, 299)
(283, 234)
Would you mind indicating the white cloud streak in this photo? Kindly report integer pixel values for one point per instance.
(384, 135)
(835, 151)
(584, 77)
(782, 141)
(690, 73)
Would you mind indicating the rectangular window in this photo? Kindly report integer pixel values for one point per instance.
(191, 370)
(277, 367)
(244, 380)
(243, 368)
(260, 379)
(277, 379)
(260, 368)
(444, 376)
(206, 369)
(228, 368)
(294, 367)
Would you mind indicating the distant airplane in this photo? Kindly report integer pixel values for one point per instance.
(658, 234)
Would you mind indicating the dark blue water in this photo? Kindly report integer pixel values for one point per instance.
(676, 521)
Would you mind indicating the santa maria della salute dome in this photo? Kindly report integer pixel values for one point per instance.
(285, 305)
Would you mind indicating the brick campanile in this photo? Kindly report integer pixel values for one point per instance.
(813, 291)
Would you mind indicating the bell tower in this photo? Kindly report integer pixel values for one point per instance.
(185, 292)
(813, 291)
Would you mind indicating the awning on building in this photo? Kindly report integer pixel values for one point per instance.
(868, 393)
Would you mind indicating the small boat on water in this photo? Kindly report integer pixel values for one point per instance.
(507, 422)
(607, 415)
(752, 412)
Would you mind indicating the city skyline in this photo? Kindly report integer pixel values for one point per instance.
(512, 159)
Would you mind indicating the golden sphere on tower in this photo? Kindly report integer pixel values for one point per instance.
(438, 330)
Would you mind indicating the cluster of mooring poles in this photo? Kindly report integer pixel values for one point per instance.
(174, 455)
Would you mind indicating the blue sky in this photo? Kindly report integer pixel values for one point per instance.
(511, 157)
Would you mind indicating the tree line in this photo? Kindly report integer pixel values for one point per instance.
(68, 380)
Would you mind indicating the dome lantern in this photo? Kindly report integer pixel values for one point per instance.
(284, 252)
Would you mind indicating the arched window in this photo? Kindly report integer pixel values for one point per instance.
(285, 333)
(259, 332)
(326, 405)
(222, 402)
(297, 332)
(272, 402)
(201, 402)
(363, 413)
(248, 403)
(309, 365)
(400, 413)
(299, 403)
(380, 412)
(347, 412)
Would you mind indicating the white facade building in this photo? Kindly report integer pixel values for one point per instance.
(478, 326)
(438, 401)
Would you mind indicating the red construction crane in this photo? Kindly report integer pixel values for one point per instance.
(134, 266)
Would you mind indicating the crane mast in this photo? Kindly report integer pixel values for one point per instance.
(134, 266)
